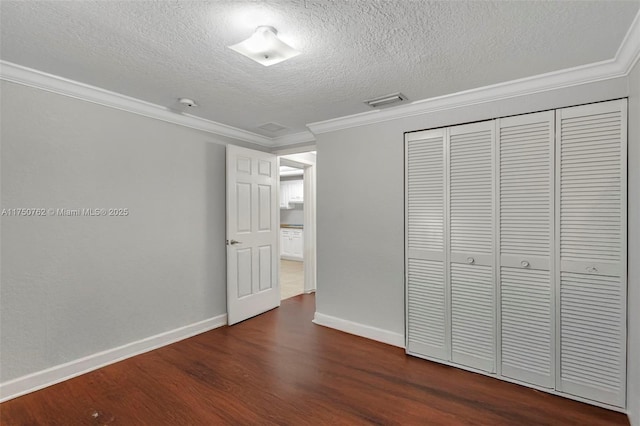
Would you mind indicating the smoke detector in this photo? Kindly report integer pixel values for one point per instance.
(188, 102)
(386, 100)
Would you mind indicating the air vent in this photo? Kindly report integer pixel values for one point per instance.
(386, 100)
(272, 127)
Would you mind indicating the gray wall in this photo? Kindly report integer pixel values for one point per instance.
(633, 373)
(294, 216)
(74, 286)
(361, 206)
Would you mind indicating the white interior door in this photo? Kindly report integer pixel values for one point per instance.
(427, 294)
(252, 233)
(471, 230)
(525, 247)
(591, 197)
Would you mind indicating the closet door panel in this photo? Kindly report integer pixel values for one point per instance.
(472, 316)
(592, 329)
(526, 325)
(592, 212)
(591, 179)
(471, 188)
(471, 245)
(427, 321)
(525, 152)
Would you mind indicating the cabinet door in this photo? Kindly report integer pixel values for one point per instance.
(427, 319)
(525, 215)
(591, 156)
(297, 190)
(471, 245)
(286, 242)
(285, 193)
(297, 243)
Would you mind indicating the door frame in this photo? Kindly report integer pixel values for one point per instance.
(309, 212)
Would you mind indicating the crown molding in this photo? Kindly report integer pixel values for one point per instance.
(52, 83)
(629, 51)
(294, 138)
(626, 57)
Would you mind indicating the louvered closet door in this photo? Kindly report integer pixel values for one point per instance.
(592, 246)
(525, 214)
(425, 244)
(471, 245)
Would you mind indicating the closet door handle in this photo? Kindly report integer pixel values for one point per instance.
(471, 260)
(592, 269)
(525, 264)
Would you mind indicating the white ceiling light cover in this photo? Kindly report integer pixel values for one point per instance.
(265, 47)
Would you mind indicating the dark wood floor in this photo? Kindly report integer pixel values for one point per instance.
(279, 368)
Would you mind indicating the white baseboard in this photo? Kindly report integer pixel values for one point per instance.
(373, 333)
(59, 373)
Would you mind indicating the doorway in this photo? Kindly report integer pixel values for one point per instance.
(297, 224)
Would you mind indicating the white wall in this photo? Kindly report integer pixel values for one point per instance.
(361, 204)
(633, 373)
(74, 286)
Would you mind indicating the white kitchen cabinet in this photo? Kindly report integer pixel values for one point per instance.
(285, 190)
(297, 191)
(516, 249)
(291, 192)
(291, 244)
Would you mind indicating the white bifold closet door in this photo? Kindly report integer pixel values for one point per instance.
(591, 193)
(427, 320)
(525, 243)
(470, 232)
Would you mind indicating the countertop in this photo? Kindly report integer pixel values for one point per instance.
(291, 226)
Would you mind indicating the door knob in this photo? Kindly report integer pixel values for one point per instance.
(592, 269)
(233, 242)
(524, 264)
(470, 260)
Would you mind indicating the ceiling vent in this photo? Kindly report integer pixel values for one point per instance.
(386, 100)
(272, 127)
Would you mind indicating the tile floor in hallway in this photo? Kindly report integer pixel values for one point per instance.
(291, 278)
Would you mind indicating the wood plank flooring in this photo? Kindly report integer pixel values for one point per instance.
(279, 368)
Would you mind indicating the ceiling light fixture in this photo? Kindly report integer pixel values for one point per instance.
(265, 47)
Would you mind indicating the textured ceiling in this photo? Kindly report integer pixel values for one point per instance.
(352, 50)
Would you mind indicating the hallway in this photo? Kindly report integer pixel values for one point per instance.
(291, 278)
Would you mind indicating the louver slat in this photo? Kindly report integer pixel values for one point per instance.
(425, 204)
(471, 240)
(471, 208)
(592, 232)
(590, 168)
(472, 308)
(525, 183)
(525, 147)
(526, 325)
(425, 193)
(426, 307)
(592, 340)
